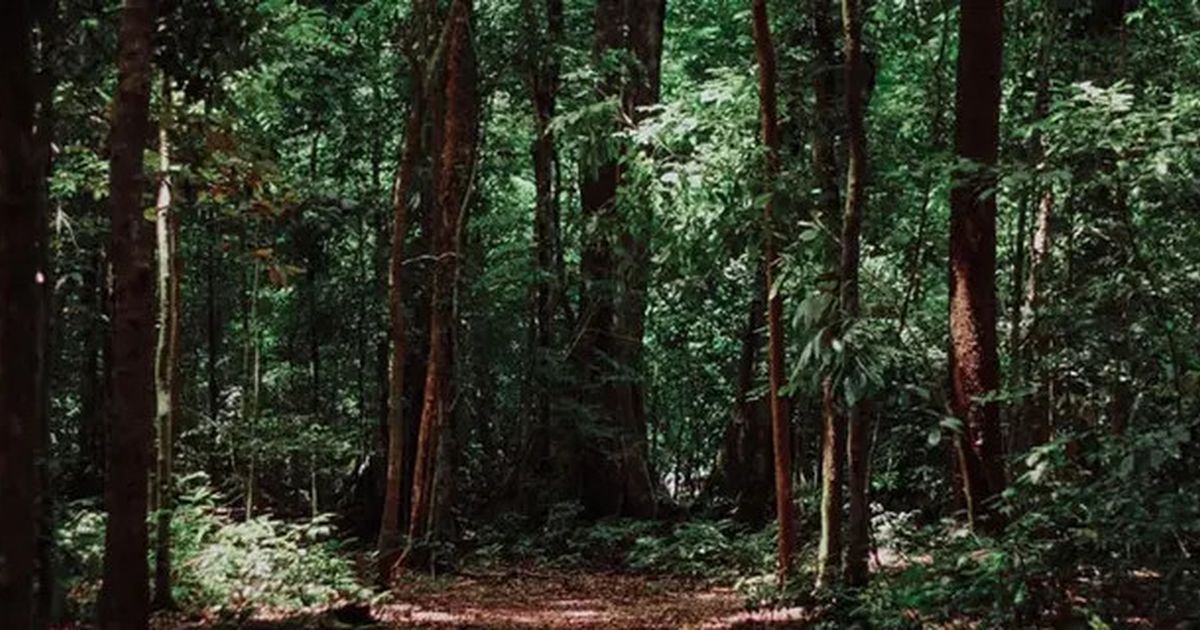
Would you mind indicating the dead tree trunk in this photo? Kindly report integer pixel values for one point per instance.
(974, 369)
(124, 600)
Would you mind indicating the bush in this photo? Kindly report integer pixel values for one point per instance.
(705, 549)
(222, 565)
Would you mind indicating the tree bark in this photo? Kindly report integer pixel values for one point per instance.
(616, 476)
(833, 428)
(746, 467)
(167, 381)
(543, 78)
(21, 305)
(452, 177)
(389, 530)
(124, 600)
(859, 426)
(764, 50)
(974, 370)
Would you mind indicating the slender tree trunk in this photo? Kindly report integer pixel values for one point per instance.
(458, 144)
(859, 425)
(833, 428)
(21, 303)
(974, 368)
(167, 356)
(124, 600)
(91, 384)
(747, 470)
(543, 81)
(764, 50)
(389, 530)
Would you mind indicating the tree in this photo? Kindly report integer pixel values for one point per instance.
(389, 529)
(454, 161)
(833, 428)
(543, 76)
(616, 477)
(781, 434)
(21, 297)
(858, 433)
(167, 356)
(974, 368)
(124, 601)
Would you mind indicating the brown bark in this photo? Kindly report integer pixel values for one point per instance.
(858, 420)
(746, 466)
(124, 600)
(389, 530)
(167, 376)
(764, 50)
(833, 429)
(21, 299)
(458, 139)
(974, 370)
(616, 476)
(543, 77)
(833, 462)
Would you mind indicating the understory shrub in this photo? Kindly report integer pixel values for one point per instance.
(221, 565)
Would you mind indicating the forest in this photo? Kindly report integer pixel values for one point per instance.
(599, 313)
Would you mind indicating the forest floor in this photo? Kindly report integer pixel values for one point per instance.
(552, 599)
(573, 600)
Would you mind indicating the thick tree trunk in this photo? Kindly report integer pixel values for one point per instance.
(764, 50)
(21, 300)
(457, 143)
(167, 357)
(833, 463)
(974, 370)
(124, 600)
(616, 476)
(859, 426)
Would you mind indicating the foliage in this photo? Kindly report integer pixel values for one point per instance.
(224, 565)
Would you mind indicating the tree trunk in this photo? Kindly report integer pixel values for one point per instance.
(21, 300)
(452, 178)
(764, 50)
(389, 529)
(616, 476)
(859, 426)
(544, 83)
(833, 429)
(746, 467)
(167, 357)
(974, 370)
(124, 600)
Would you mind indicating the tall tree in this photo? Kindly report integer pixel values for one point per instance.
(21, 297)
(616, 477)
(543, 76)
(456, 146)
(833, 428)
(167, 375)
(974, 369)
(781, 433)
(858, 432)
(124, 601)
(389, 530)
